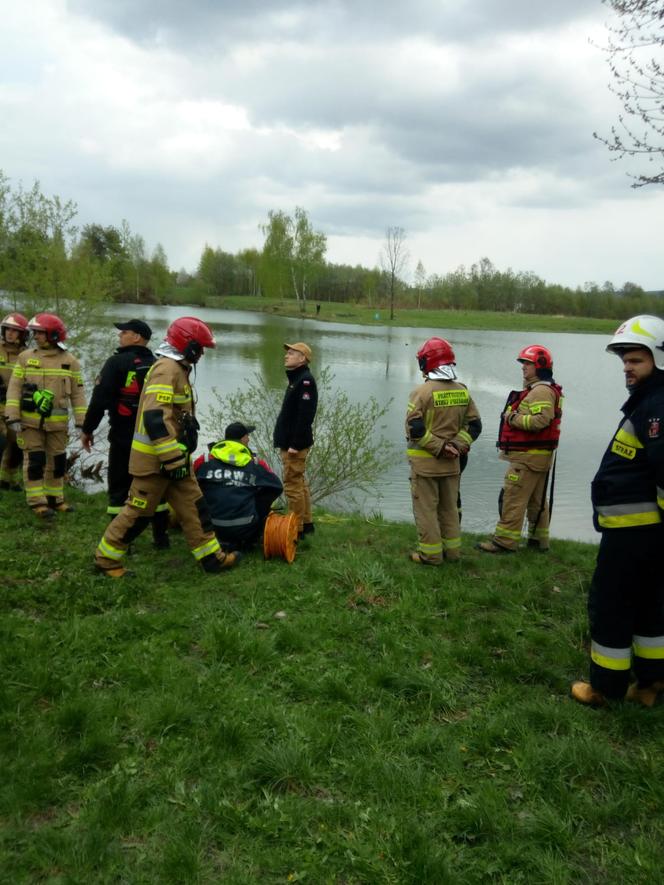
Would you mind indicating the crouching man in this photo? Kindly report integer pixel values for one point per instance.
(238, 489)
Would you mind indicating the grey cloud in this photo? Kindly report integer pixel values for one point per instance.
(220, 22)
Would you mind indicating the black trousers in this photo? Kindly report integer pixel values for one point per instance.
(626, 610)
(119, 480)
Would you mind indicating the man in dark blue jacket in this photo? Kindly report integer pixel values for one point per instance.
(626, 599)
(293, 433)
(238, 489)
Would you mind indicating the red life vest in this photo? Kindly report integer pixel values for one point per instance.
(514, 439)
(130, 392)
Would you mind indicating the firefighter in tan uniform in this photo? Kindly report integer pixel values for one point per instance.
(13, 339)
(528, 437)
(164, 438)
(46, 379)
(441, 424)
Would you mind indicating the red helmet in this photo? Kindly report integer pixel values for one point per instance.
(435, 352)
(55, 329)
(15, 321)
(190, 335)
(538, 355)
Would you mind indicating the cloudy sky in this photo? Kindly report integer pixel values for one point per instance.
(469, 123)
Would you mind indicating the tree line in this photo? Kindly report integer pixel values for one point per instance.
(45, 259)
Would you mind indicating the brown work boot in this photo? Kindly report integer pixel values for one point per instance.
(584, 693)
(117, 572)
(534, 544)
(420, 560)
(213, 563)
(63, 507)
(645, 695)
(43, 512)
(492, 547)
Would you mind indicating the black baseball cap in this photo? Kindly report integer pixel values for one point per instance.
(137, 326)
(237, 430)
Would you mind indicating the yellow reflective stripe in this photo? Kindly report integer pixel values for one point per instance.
(451, 543)
(611, 658)
(411, 406)
(142, 447)
(542, 404)
(34, 491)
(161, 508)
(628, 439)
(108, 551)
(430, 548)
(418, 453)
(113, 511)
(12, 402)
(628, 519)
(181, 398)
(205, 549)
(507, 533)
(166, 448)
(526, 421)
(159, 388)
(19, 371)
(650, 647)
(466, 437)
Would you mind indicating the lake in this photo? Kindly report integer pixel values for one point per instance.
(380, 361)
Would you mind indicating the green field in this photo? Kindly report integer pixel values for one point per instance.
(351, 718)
(338, 312)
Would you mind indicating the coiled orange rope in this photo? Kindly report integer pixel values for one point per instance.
(280, 536)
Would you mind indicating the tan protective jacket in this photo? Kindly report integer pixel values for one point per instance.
(536, 411)
(165, 399)
(446, 409)
(8, 354)
(49, 368)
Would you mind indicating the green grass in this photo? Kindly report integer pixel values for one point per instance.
(339, 312)
(399, 724)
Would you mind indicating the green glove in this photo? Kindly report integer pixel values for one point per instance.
(43, 400)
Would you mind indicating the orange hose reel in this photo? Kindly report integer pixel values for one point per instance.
(280, 536)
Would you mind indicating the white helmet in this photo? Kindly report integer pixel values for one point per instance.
(642, 331)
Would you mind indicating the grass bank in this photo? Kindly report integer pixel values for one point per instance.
(349, 718)
(339, 312)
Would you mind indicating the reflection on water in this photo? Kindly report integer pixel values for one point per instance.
(380, 361)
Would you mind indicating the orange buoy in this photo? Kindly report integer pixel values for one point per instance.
(280, 536)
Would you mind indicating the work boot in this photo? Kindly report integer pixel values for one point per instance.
(645, 695)
(63, 507)
(492, 547)
(536, 545)
(214, 563)
(308, 528)
(161, 542)
(118, 571)
(414, 556)
(43, 512)
(584, 693)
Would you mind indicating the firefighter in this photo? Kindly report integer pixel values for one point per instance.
(238, 488)
(527, 438)
(13, 339)
(46, 379)
(165, 436)
(293, 433)
(441, 424)
(117, 391)
(626, 598)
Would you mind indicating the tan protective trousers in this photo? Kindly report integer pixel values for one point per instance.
(436, 516)
(145, 493)
(296, 487)
(10, 465)
(523, 493)
(43, 465)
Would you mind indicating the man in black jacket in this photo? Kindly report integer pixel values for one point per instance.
(117, 391)
(238, 488)
(293, 434)
(625, 603)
